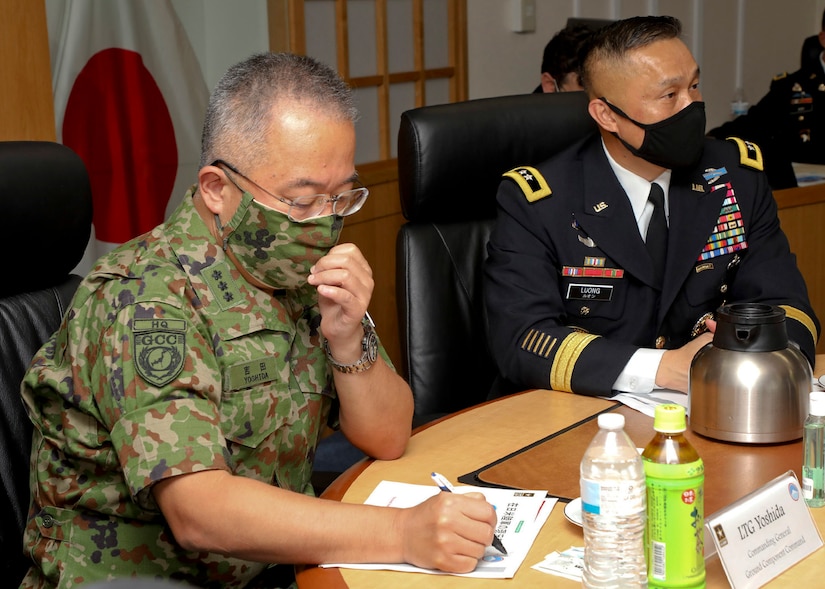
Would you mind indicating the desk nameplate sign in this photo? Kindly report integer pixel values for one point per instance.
(763, 534)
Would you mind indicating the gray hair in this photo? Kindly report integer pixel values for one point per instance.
(610, 44)
(238, 117)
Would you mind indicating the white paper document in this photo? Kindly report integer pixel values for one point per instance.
(568, 564)
(646, 402)
(520, 513)
(808, 174)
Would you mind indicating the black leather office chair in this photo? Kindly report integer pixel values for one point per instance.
(450, 161)
(46, 207)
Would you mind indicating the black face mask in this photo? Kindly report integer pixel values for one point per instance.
(676, 142)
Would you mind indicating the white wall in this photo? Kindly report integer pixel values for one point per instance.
(503, 62)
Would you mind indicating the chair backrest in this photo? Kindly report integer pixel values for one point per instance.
(450, 161)
(46, 202)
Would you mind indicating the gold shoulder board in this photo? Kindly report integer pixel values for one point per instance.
(749, 153)
(780, 76)
(531, 182)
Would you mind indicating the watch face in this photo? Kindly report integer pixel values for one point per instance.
(372, 346)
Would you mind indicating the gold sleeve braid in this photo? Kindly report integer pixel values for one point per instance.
(561, 373)
(538, 343)
(797, 315)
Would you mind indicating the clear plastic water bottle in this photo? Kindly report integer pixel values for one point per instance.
(613, 509)
(813, 444)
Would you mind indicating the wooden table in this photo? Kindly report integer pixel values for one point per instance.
(470, 441)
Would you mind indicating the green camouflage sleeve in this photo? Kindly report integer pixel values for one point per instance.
(159, 396)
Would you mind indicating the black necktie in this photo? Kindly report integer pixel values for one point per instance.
(656, 240)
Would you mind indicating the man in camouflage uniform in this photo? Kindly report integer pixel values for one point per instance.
(788, 123)
(177, 409)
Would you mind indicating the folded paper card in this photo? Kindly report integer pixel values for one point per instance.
(764, 533)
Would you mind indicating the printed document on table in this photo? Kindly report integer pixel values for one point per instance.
(646, 402)
(808, 174)
(520, 513)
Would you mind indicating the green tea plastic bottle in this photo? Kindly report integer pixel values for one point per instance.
(675, 480)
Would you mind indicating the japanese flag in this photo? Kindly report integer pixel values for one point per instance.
(129, 99)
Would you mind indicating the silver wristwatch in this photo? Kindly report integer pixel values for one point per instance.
(369, 354)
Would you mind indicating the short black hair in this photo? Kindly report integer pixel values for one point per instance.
(562, 52)
(615, 40)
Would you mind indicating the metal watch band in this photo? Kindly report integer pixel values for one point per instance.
(369, 353)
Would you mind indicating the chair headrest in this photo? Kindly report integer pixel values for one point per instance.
(451, 156)
(46, 204)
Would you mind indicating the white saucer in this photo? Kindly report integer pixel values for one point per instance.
(573, 511)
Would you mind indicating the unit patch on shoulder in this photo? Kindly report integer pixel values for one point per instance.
(160, 345)
(749, 153)
(531, 182)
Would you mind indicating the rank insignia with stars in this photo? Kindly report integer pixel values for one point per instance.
(531, 182)
(222, 285)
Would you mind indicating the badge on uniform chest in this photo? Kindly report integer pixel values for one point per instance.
(251, 373)
(589, 292)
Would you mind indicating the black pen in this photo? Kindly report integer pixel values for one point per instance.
(443, 484)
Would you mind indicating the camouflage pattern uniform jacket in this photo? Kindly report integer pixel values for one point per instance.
(167, 363)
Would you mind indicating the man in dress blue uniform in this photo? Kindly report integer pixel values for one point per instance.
(788, 123)
(575, 298)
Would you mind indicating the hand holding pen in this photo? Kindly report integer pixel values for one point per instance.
(443, 484)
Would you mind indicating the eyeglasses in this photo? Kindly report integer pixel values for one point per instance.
(304, 208)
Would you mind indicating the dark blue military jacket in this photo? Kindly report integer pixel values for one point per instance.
(788, 123)
(569, 285)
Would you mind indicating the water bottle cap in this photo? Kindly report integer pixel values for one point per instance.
(669, 418)
(611, 421)
(817, 403)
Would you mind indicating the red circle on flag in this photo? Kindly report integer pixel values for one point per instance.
(117, 121)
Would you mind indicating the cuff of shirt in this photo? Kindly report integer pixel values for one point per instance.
(639, 374)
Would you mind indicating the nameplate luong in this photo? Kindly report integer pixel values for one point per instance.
(763, 534)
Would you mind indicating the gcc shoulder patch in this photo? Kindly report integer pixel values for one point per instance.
(160, 345)
(749, 153)
(531, 182)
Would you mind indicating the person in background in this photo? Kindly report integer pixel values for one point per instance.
(788, 123)
(560, 61)
(606, 262)
(177, 409)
